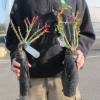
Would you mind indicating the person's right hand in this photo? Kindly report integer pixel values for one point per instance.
(15, 67)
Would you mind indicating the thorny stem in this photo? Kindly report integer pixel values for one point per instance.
(35, 34)
(75, 27)
(20, 34)
(15, 31)
(35, 38)
(28, 32)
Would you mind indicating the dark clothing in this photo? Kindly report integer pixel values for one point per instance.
(49, 64)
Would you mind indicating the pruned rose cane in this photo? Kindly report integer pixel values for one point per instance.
(24, 44)
(70, 77)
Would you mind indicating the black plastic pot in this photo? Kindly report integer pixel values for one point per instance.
(70, 75)
(24, 73)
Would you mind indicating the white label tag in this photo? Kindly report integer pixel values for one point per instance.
(31, 50)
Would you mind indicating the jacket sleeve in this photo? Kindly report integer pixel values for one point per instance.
(11, 39)
(87, 36)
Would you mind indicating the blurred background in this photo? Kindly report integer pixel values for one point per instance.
(89, 76)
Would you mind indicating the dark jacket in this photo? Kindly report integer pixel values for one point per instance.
(49, 64)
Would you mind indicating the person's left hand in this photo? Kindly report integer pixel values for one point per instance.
(80, 59)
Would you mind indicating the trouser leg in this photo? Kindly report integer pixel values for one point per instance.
(38, 89)
(55, 90)
(78, 95)
(24, 98)
(48, 89)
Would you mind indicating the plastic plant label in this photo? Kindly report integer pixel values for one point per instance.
(31, 50)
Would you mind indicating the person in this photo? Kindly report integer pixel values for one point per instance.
(45, 72)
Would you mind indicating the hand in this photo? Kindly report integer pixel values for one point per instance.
(80, 60)
(15, 67)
